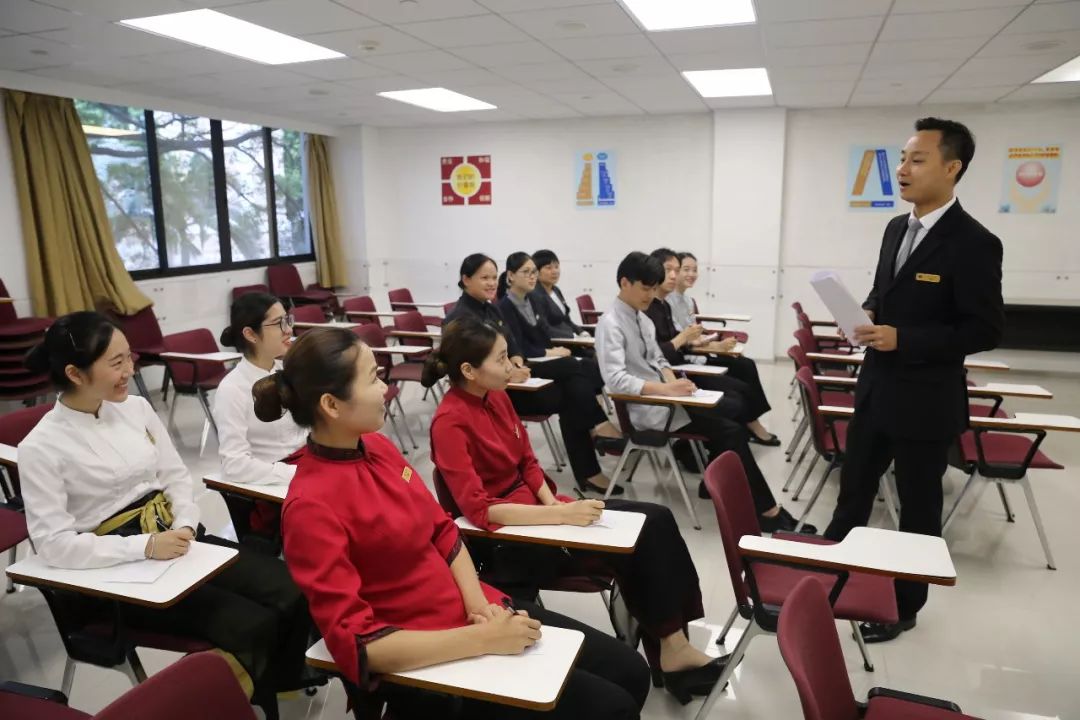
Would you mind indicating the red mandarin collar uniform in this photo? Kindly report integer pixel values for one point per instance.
(370, 548)
(483, 453)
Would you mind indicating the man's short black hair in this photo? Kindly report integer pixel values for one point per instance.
(957, 142)
(639, 267)
(662, 254)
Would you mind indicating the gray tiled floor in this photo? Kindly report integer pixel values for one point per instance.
(1002, 643)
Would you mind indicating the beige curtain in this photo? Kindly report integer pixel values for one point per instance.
(329, 258)
(71, 255)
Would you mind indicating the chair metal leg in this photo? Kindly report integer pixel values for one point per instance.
(69, 677)
(133, 668)
(817, 491)
(205, 402)
(140, 383)
(549, 438)
(795, 468)
(891, 505)
(1009, 516)
(397, 431)
(736, 655)
(806, 476)
(634, 467)
(405, 421)
(626, 453)
(867, 664)
(800, 429)
(172, 410)
(12, 557)
(205, 435)
(959, 498)
(727, 626)
(682, 486)
(165, 378)
(699, 455)
(791, 388)
(556, 445)
(1025, 483)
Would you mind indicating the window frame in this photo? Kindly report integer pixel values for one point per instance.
(226, 264)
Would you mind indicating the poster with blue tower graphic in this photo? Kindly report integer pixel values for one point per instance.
(594, 173)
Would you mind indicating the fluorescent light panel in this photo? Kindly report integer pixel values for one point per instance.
(655, 15)
(232, 36)
(438, 98)
(99, 131)
(1069, 72)
(741, 82)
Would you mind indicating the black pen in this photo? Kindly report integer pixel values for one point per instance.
(581, 495)
(509, 606)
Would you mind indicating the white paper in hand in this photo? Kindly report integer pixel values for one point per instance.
(841, 304)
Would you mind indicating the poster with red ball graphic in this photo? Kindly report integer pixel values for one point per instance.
(1032, 179)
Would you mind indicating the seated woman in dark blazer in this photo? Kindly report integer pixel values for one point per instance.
(389, 583)
(549, 299)
(483, 454)
(584, 426)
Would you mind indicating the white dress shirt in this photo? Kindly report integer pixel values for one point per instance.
(78, 470)
(628, 356)
(250, 448)
(928, 221)
(682, 309)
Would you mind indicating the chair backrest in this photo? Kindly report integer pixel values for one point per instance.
(360, 303)
(735, 515)
(448, 308)
(806, 340)
(309, 313)
(199, 340)
(585, 302)
(797, 307)
(694, 302)
(401, 295)
(811, 397)
(446, 498)
(167, 695)
(14, 427)
(804, 321)
(811, 650)
(798, 356)
(142, 330)
(284, 280)
(245, 289)
(7, 310)
(373, 335)
(412, 321)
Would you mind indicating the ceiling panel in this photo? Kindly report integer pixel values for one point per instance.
(814, 74)
(457, 79)
(338, 69)
(508, 6)
(561, 70)
(1045, 91)
(907, 7)
(968, 23)
(495, 56)
(23, 52)
(606, 19)
(303, 18)
(831, 93)
(1032, 44)
(629, 68)
(120, 9)
(395, 12)
(821, 55)
(822, 32)
(103, 38)
(740, 102)
(24, 16)
(910, 68)
(1047, 18)
(955, 48)
(386, 41)
(984, 72)
(787, 10)
(602, 103)
(600, 48)
(462, 32)
(431, 60)
(718, 60)
(742, 38)
(198, 61)
(970, 95)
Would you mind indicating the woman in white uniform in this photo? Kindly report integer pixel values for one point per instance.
(103, 484)
(252, 451)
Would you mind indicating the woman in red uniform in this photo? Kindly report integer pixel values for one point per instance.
(388, 581)
(482, 451)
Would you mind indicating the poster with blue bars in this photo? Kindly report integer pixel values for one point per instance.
(871, 185)
(594, 173)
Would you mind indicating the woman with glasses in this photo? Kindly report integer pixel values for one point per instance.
(253, 451)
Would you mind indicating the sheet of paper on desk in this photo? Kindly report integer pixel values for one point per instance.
(604, 521)
(711, 395)
(535, 382)
(710, 337)
(139, 571)
(840, 302)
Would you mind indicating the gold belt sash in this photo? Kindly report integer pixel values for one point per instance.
(157, 509)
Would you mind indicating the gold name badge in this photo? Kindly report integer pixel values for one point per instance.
(927, 277)
(406, 474)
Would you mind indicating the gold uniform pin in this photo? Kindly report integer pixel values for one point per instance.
(406, 473)
(150, 437)
(927, 277)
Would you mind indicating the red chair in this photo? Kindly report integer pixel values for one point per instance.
(412, 321)
(284, 280)
(739, 335)
(762, 587)
(449, 307)
(402, 299)
(841, 396)
(17, 336)
(1005, 457)
(194, 377)
(14, 427)
(589, 314)
(145, 339)
(307, 314)
(165, 696)
(810, 646)
(12, 326)
(374, 335)
(354, 308)
(245, 289)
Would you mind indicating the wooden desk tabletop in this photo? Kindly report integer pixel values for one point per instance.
(374, 313)
(1022, 421)
(202, 562)
(857, 358)
(335, 324)
(274, 492)
(574, 341)
(723, 317)
(430, 335)
(223, 356)
(400, 350)
(692, 369)
(530, 385)
(700, 398)
(533, 680)
(737, 351)
(1035, 392)
(425, 304)
(616, 532)
(9, 455)
(877, 551)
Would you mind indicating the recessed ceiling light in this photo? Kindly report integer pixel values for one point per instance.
(232, 36)
(741, 82)
(657, 15)
(439, 99)
(1069, 72)
(572, 26)
(369, 45)
(99, 131)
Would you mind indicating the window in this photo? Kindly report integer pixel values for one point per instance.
(117, 138)
(191, 194)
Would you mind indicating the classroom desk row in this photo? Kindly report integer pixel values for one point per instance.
(857, 358)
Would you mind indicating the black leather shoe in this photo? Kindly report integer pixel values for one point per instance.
(609, 445)
(771, 441)
(586, 486)
(883, 632)
(783, 521)
(684, 684)
(702, 491)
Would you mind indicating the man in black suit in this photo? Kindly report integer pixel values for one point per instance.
(936, 298)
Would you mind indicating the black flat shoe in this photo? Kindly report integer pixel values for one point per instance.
(883, 632)
(586, 486)
(684, 684)
(771, 441)
(609, 445)
(783, 521)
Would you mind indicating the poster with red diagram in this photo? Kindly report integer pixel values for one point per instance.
(466, 180)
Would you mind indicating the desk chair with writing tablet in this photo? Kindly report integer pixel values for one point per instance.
(195, 378)
(739, 335)
(402, 299)
(589, 314)
(374, 335)
(14, 427)
(307, 314)
(810, 646)
(594, 579)
(761, 587)
(841, 395)
(284, 281)
(355, 306)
